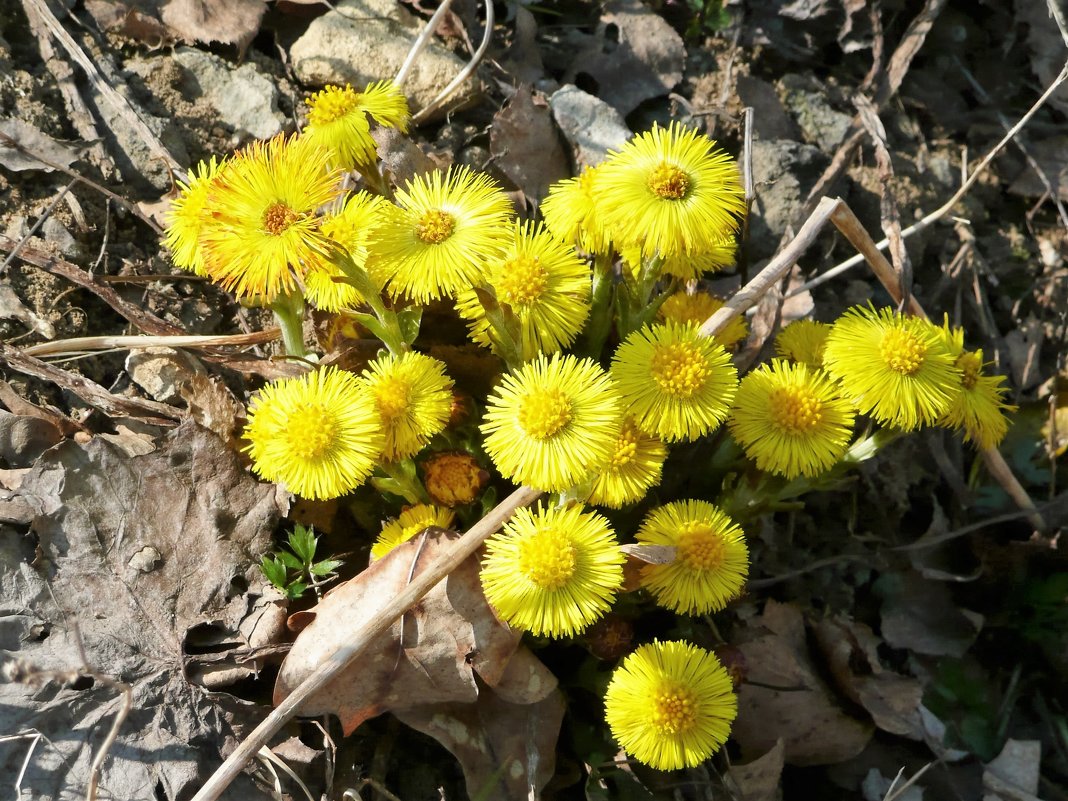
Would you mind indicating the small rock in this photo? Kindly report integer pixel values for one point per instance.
(805, 97)
(367, 40)
(246, 99)
(162, 372)
(145, 560)
(590, 125)
(783, 171)
(56, 232)
(770, 120)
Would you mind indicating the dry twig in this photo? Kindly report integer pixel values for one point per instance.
(465, 73)
(77, 345)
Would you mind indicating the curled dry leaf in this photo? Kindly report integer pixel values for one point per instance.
(759, 780)
(430, 656)
(134, 552)
(785, 698)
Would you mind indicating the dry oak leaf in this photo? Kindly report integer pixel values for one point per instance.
(227, 21)
(132, 553)
(526, 145)
(448, 637)
(785, 698)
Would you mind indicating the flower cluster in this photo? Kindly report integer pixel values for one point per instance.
(593, 315)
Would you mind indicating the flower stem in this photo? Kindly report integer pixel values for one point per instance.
(384, 324)
(403, 480)
(289, 311)
(602, 293)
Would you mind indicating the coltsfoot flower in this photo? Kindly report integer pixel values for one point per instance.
(185, 218)
(687, 266)
(670, 191)
(711, 558)
(634, 467)
(570, 212)
(453, 479)
(803, 341)
(670, 705)
(676, 383)
(262, 226)
(552, 572)
(546, 285)
(413, 520)
(413, 397)
(337, 120)
(436, 241)
(979, 409)
(351, 229)
(551, 422)
(897, 369)
(318, 434)
(696, 307)
(791, 419)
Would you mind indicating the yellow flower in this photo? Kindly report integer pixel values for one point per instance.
(351, 229)
(413, 520)
(803, 341)
(552, 572)
(676, 383)
(684, 307)
(551, 422)
(547, 287)
(687, 266)
(979, 409)
(453, 479)
(337, 120)
(185, 217)
(413, 396)
(791, 420)
(669, 191)
(437, 241)
(897, 369)
(711, 559)
(262, 222)
(318, 434)
(633, 468)
(570, 212)
(670, 705)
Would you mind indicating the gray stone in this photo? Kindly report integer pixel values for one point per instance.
(770, 120)
(806, 99)
(367, 40)
(246, 99)
(56, 232)
(162, 372)
(783, 172)
(591, 126)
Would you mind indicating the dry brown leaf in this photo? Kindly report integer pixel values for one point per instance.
(213, 405)
(448, 637)
(526, 145)
(134, 552)
(227, 21)
(33, 143)
(784, 697)
(920, 615)
(636, 56)
(506, 740)
(759, 780)
(851, 652)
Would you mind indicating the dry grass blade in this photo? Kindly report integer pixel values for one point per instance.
(465, 73)
(63, 347)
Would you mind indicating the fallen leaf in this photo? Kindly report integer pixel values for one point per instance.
(448, 637)
(523, 59)
(133, 553)
(213, 405)
(851, 652)
(785, 698)
(24, 438)
(31, 143)
(636, 56)
(505, 741)
(920, 615)
(759, 779)
(12, 308)
(526, 146)
(1014, 773)
(227, 21)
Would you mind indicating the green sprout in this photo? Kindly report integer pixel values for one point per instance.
(294, 570)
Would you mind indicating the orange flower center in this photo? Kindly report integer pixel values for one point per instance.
(669, 182)
(522, 280)
(679, 369)
(544, 412)
(331, 104)
(547, 558)
(453, 479)
(699, 547)
(435, 226)
(795, 410)
(310, 432)
(971, 365)
(393, 398)
(902, 351)
(674, 710)
(278, 218)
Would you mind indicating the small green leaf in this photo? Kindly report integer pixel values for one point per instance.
(302, 541)
(274, 570)
(290, 561)
(408, 319)
(295, 590)
(325, 567)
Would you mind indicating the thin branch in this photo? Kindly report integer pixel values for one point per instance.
(948, 206)
(78, 345)
(421, 42)
(465, 73)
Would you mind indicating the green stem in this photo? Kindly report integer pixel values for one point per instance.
(289, 311)
(388, 327)
(375, 181)
(504, 327)
(635, 310)
(404, 481)
(599, 325)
